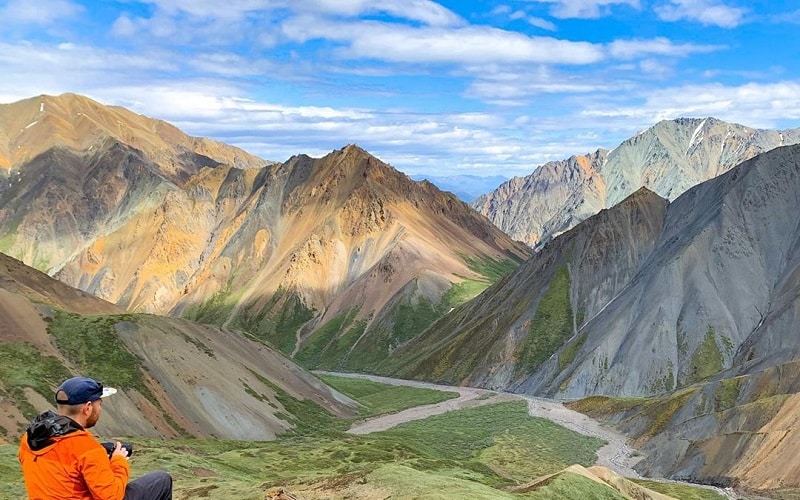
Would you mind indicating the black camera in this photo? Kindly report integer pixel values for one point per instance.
(111, 446)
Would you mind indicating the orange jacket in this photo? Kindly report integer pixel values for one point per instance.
(75, 466)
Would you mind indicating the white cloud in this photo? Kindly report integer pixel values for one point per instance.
(707, 12)
(468, 45)
(632, 49)
(125, 26)
(211, 8)
(541, 23)
(537, 22)
(514, 92)
(34, 68)
(459, 142)
(30, 59)
(656, 68)
(754, 104)
(228, 64)
(486, 120)
(208, 23)
(39, 12)
(424, 11)
(163, 27)
(585, 9)
(542, 88)
(531, 110)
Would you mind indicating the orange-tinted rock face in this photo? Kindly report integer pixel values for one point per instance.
(77, 123)
(766, 464)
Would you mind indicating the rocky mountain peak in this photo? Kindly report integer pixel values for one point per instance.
(83, 126)
(668, 158)
(640, 193)
(277, 251)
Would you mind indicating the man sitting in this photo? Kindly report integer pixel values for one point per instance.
(60, 459)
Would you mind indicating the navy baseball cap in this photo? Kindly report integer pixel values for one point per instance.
(79, 390)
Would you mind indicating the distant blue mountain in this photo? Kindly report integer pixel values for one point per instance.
(466, 187)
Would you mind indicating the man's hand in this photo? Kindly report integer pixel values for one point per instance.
(119, 450)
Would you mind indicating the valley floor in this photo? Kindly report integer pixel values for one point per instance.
(616, 455)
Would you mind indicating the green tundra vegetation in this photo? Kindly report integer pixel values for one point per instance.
(551, 326)
(340, 343)
(707, 360)
(21, 366)
(329, 344)
(472, 453)
(276, 322)
(92, 343)
(492, 269)
(380, 399)
(726, 393)
(569, 353)
(478, 452)
(214, 309)
(570, 485)
(655, 411)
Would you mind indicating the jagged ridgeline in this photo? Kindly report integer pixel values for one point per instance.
(335, 261)
(668, 159)
(683, 317)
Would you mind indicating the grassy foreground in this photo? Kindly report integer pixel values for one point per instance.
(473, 453)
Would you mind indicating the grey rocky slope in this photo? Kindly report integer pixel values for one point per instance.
(668, 159)
(693, 304)
(641, 299)
(722, 280)
(509, 332)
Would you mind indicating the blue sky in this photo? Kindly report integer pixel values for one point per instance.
(438, 88)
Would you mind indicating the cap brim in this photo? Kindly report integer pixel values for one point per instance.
(108, 391)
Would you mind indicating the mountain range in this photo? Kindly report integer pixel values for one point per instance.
(692, 304)
(467, 187)
(661, 295)
(668, 159)
(135, 212)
